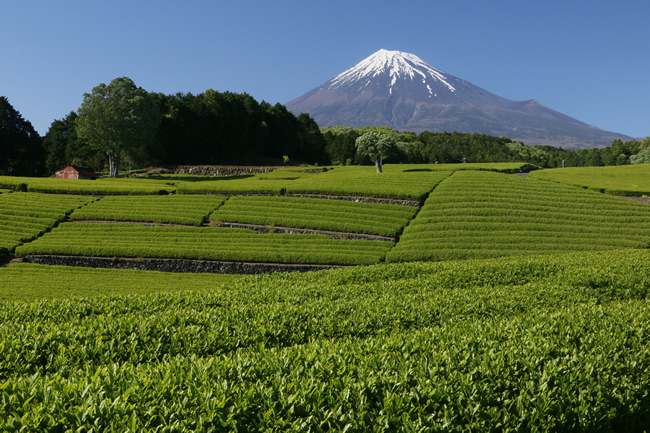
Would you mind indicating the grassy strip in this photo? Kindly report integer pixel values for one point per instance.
(553, 342)
(481, 215)
(103, 186)
(30, 282)
(203, 243)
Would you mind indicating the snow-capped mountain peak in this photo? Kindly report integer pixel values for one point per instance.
(398, 65)
(399, 90)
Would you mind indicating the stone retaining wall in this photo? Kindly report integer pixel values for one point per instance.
(174, 265)
(210, 170)
(412, 203)
(334, 235)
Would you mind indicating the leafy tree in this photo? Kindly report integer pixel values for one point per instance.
(118, 118)
(376, 146)
(64, 147)
(21, 153)
(643, 157)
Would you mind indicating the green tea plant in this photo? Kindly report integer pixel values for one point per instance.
(202, 243)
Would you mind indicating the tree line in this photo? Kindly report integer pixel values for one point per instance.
(456, 147)
(208, 128)
(229, 128)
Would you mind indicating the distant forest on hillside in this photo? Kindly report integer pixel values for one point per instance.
(214, 127)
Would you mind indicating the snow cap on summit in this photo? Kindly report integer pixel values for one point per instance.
(397, 64)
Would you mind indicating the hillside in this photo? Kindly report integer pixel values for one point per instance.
(434, 212)
(451, 297)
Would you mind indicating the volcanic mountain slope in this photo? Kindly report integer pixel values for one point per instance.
(396, 89)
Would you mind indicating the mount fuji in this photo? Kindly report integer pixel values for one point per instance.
(399, 90)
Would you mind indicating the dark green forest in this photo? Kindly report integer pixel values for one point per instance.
(455, 147)
(229, 128)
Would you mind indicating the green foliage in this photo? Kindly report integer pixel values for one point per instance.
(21, 153)
(376, 146)
(452, 147)
(224, 127)
(202, 243)
(64, 147)
(643, 157)
(170, 209)
(334, 215)
(482, 214)
(116, 118)
(551, 343)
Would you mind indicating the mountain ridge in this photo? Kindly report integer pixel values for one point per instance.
(400, 90)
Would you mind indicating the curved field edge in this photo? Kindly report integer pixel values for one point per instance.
(627, 180)
(556, 342)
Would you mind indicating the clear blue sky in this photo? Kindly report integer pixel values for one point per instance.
(589, 59)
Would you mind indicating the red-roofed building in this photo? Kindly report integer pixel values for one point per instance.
(76, 172)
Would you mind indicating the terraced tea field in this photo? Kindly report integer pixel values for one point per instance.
(399, 181)
(483, 214)
(170, 209)
(319, 214)
(202, 243)
(551, 337)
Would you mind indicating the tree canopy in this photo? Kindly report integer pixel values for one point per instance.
(117, 118)
(21, 153)
(376, 146)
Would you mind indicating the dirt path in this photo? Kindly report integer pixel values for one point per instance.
(644, 200)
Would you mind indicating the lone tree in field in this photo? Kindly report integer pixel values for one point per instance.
(376, 146)
(117, 118)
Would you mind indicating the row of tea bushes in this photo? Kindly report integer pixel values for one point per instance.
(170, 209)
(319, 214)
(202, 243)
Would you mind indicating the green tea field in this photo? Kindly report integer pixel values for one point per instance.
(466, 299)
